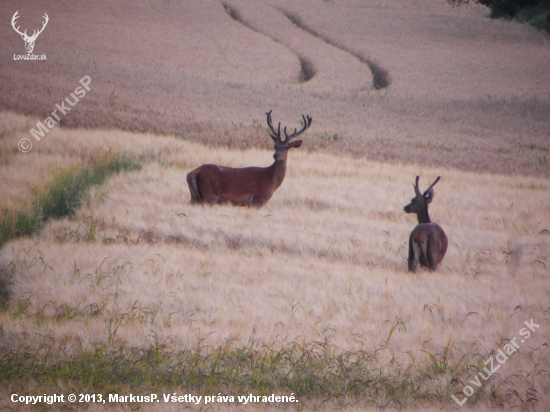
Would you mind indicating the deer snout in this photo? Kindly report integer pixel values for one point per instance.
(276, 155)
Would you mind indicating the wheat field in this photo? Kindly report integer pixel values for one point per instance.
(133, 290)
(324, 261)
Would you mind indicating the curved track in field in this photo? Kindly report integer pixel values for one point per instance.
(307, 70)
(380, 77)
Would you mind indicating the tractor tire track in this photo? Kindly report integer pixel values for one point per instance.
(380, 76)
(307, 69)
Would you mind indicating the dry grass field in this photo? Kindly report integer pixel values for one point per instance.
(133, 290)
(324, 261)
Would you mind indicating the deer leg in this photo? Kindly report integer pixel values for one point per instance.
(413, 259)
(258, 201)
(432, 253)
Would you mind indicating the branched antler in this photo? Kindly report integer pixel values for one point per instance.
(307, 122)
(276, 135)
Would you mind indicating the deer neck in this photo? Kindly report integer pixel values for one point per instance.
(277, 172)
(423, 216)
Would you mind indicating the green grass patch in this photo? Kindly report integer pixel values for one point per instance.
(15, 223)
(313, 372)
(62, 196)
(328, 137)
(533, 146)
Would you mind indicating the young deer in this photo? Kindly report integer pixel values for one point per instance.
(248, 186)
(427, 242)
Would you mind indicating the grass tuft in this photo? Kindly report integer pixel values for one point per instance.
(328, 137)
(534, 146)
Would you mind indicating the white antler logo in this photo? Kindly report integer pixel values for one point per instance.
(29, 40)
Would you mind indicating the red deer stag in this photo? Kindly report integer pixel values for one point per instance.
(248, 186)
(427, 242)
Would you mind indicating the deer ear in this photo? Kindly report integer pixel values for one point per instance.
(295, 144)
(430, 196)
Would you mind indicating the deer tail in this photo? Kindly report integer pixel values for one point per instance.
(193, 187)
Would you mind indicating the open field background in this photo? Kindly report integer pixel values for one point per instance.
(309, 294)
(454, 87)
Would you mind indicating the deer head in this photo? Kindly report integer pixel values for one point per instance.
(29, 40)
(419, 203)
(282, 146)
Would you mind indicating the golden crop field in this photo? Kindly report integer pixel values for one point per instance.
(112, 283)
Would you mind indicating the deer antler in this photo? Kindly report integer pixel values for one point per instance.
(432, 185)
(416, 189)
(276, 136)
(15, 17)
(307, 122)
